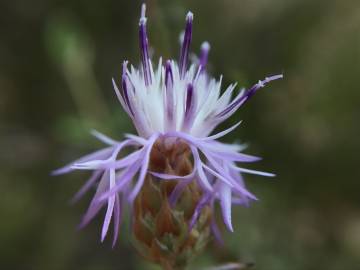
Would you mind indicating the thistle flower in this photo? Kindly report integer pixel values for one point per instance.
(173, 171)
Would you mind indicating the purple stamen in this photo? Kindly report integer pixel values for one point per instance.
(204, 52)
(190, 108)
(189, 98)
(184, 53)
(144, 46)
(169, 94)
(169, 78)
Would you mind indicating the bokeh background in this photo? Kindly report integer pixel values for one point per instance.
(57, 59)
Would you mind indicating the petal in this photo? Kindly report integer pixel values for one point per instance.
(89, 183)
(243, 170)
(225, 202)
(223, 133)
(144, 168)
(110, 207)
(102, 137)
(201, 204)
(95, 204)
(117, 217)
(100, 154)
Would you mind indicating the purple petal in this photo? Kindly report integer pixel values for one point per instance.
(201, 204)
(166, 176)
(89, 183)
(125, 162)
(100, 154)
(216, 231)
(223, 133)
(229, 182)
(103, 138)
(117, 217)
(126, 87)
(203, 180)
(99, 164)
(226, 154)
(110, 207)
(123, 180)
(144, 168)
(95, 204)
(218, 175)
(175, 194)
(225, 202)
(121, 99)
(137, 139)
(243, 170)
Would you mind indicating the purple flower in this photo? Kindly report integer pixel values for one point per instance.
(172, 103)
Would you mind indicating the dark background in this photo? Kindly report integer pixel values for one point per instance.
(57, 59)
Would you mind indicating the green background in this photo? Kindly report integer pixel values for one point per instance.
(57, 59)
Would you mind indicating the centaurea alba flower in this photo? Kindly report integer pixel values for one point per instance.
(175, 170)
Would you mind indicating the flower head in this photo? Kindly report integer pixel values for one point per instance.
(174, 108)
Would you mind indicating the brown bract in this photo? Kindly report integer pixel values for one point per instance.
(161, 232)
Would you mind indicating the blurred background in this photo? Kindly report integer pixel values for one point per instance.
(57, 59)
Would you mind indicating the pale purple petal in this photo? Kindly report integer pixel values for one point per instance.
(95, 204)
(222, 133)
(199, 207)
(110, 207)
(104, 153)
(243, 170)
(89, 183)
(203, 181)
(176, 193)
(125, 178)
(120, 98)
(117, 218)
(225, 202)
(231, 183)
(103, 138)
(144, 168)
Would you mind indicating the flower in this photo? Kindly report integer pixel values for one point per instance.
(174, 108)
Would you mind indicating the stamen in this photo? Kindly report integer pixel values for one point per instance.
(189, 97)
(204, 52)
(144, 46)
(169, 78)
(190, 108)
(184, 53)
(169, 96)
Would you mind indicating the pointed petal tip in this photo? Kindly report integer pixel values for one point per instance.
(103, 235)
(56, 172)
(230, 227)
(143, 12)
(113, 244)
(124, 65)
(81, 225)
(189, 16)
(205, 46)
